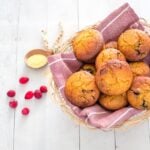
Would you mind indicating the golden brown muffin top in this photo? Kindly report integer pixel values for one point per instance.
(139, 93)
(87, 44)
(81, 89)
(140, 69)
(134, 44)
(114, 77)
(113, 102)
(141, 83)
(108, 54)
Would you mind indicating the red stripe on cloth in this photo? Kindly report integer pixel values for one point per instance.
(117, 22)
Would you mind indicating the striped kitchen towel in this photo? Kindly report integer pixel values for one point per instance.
(64, 64)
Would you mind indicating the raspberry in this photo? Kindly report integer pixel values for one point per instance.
(43, 89)
(11, 93)
(23, 80)
(37, 94)
(29, 95)
(25, 111)
(13, 104)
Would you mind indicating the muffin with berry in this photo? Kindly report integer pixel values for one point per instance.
(134, 44)
(81, 89)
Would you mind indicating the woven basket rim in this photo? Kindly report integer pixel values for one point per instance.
(136, 119)
(59, 100)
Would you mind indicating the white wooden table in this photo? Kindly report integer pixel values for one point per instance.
(47, 127)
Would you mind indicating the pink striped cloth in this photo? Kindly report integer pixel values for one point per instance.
(64, 64)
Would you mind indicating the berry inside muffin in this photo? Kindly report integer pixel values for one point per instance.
(81, 89)
(134, 44)
(139, 93)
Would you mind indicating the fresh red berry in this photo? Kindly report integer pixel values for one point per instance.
(37, 94)
(11, 93)
(29, 95)
(13, 103)
(25, 111)
(23, 80)
(43, 89)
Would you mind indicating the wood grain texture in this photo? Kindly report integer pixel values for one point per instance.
(64, 133)
(96, 139)
(133, 138)
(48, 127)
(8, 34)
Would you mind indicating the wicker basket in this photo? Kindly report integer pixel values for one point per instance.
(56, 96)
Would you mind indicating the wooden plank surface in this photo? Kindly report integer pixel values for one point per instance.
(48, 127)
(134, 138)
(9, 12)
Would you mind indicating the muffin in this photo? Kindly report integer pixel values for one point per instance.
(134, 44)
(147, 59)
(108, 54)
(139, 93)
(114, 102)
(111, 44)
(90, 68)
(87, 44)
(81, 89)
(139, 69)
(114, 77)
